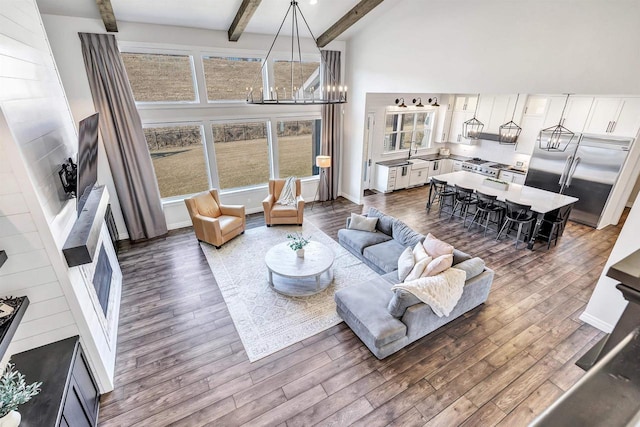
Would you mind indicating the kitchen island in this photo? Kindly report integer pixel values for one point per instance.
(541, 201)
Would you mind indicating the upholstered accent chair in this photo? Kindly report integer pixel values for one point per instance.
(214, 222)
(280, 214)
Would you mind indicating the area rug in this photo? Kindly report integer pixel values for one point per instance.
(266, 320)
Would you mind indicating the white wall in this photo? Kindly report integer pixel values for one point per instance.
(62, 32)
(36, 135)
(489, 46)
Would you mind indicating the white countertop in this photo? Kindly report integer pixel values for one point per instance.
(541, 201)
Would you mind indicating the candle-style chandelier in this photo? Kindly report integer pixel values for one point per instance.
(322, 90)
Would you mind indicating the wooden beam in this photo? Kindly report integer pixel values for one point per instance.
(350, 18)
(243, 16)
(106, 12)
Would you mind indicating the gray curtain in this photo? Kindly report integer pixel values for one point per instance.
(123, 138)
(331, 126)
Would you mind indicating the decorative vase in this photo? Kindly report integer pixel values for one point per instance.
(12, 419)
(299, 254)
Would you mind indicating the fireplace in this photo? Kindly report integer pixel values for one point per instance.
(102, 279)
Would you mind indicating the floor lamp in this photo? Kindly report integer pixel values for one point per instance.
(323, 162)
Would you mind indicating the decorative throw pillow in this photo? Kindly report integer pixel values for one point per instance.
(435, 247)
(418, 269)
(361, 222)
(472, 267)
(419, 253)
(406, 262)
(385, 222)
(438, 265)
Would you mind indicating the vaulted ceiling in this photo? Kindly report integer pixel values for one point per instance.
(217, 14)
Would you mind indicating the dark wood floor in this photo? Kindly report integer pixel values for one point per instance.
(181, 362)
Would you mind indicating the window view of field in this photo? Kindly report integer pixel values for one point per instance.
(242, 150)
(302, 72)
(154, 77)
(229, 78)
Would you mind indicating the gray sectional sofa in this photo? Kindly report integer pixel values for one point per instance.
(387, 320)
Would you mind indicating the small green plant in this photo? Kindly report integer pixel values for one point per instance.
(497, 180)
(14, 391)
(298, 241)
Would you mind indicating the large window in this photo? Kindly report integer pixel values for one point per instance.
(242, 153)
(306, 74)
(160, 78)
(178, 158)
(298, 144)
(229, 78)
(407, 130)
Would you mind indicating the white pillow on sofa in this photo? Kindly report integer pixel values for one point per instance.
(363, 223)
(406, 262)
(418, 269)
(438, 265)
(419, 253)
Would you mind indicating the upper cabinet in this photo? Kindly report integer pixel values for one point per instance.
(496, 110)
(465, 103)
(614, 116)
(443, 119)
(575, 113)
(535, 106)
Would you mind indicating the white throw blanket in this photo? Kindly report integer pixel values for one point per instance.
(288, 194)
(441, 292)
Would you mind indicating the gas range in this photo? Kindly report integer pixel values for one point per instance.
(483, 167)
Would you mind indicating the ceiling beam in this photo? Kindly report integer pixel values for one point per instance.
(350, 18)
(106, 12)
(243, 16)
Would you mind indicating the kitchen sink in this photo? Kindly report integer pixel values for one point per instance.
(419, 164)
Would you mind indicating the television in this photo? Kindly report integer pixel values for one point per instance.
(87, 159)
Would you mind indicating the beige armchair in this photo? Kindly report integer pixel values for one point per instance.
(214, 222)
(281, 214)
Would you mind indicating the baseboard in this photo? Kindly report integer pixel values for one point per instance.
(596, 323)
(351, 198)
(181, 224)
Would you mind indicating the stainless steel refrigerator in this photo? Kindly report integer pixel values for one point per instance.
(588, 169)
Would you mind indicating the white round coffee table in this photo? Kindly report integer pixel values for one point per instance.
(298, 277)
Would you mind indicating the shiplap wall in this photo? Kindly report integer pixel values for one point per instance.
(36, 134)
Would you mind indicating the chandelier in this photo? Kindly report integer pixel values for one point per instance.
(321, 90)
(471, 128)
(556, 138)
(509, 132)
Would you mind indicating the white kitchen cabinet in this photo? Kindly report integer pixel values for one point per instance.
(531, 126)
(535, 106)
(385, 178)
(443, 122)
(455, 131)
(418, 177)
(403, 175)
(614, 116)
(439, 167)
(509, 176)
(456, 165)
(446, 166)
(575, 114)
(466, 103)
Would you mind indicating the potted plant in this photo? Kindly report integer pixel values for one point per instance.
(13, 392)
(297, 243)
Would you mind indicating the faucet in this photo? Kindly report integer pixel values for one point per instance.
(410, 148)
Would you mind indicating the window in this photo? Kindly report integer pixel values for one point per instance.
(229, 78)
(160, 78)
(407, 130)
(242, 153)
(298, 144)
(305, 74)
(178, 158)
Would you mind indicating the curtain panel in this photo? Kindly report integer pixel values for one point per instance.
(123, 137)
(331, 126)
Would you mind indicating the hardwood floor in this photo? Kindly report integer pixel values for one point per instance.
(181, 362)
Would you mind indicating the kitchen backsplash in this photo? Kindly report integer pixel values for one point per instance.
(490, 150)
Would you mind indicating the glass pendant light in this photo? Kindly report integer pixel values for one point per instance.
(556, 138)
(471, 128)
(509, 132)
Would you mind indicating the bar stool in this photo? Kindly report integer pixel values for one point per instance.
(464, 199)
(487, 208)
(516, 214)
(556, 222)
(442, 192)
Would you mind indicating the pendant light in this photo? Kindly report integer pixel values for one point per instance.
(508, 133)
(308, 92)
(471, 128)
(556, 138)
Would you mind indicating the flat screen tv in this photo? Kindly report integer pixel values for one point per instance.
(87, 158)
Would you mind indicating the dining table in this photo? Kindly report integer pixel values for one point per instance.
(541, 201)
